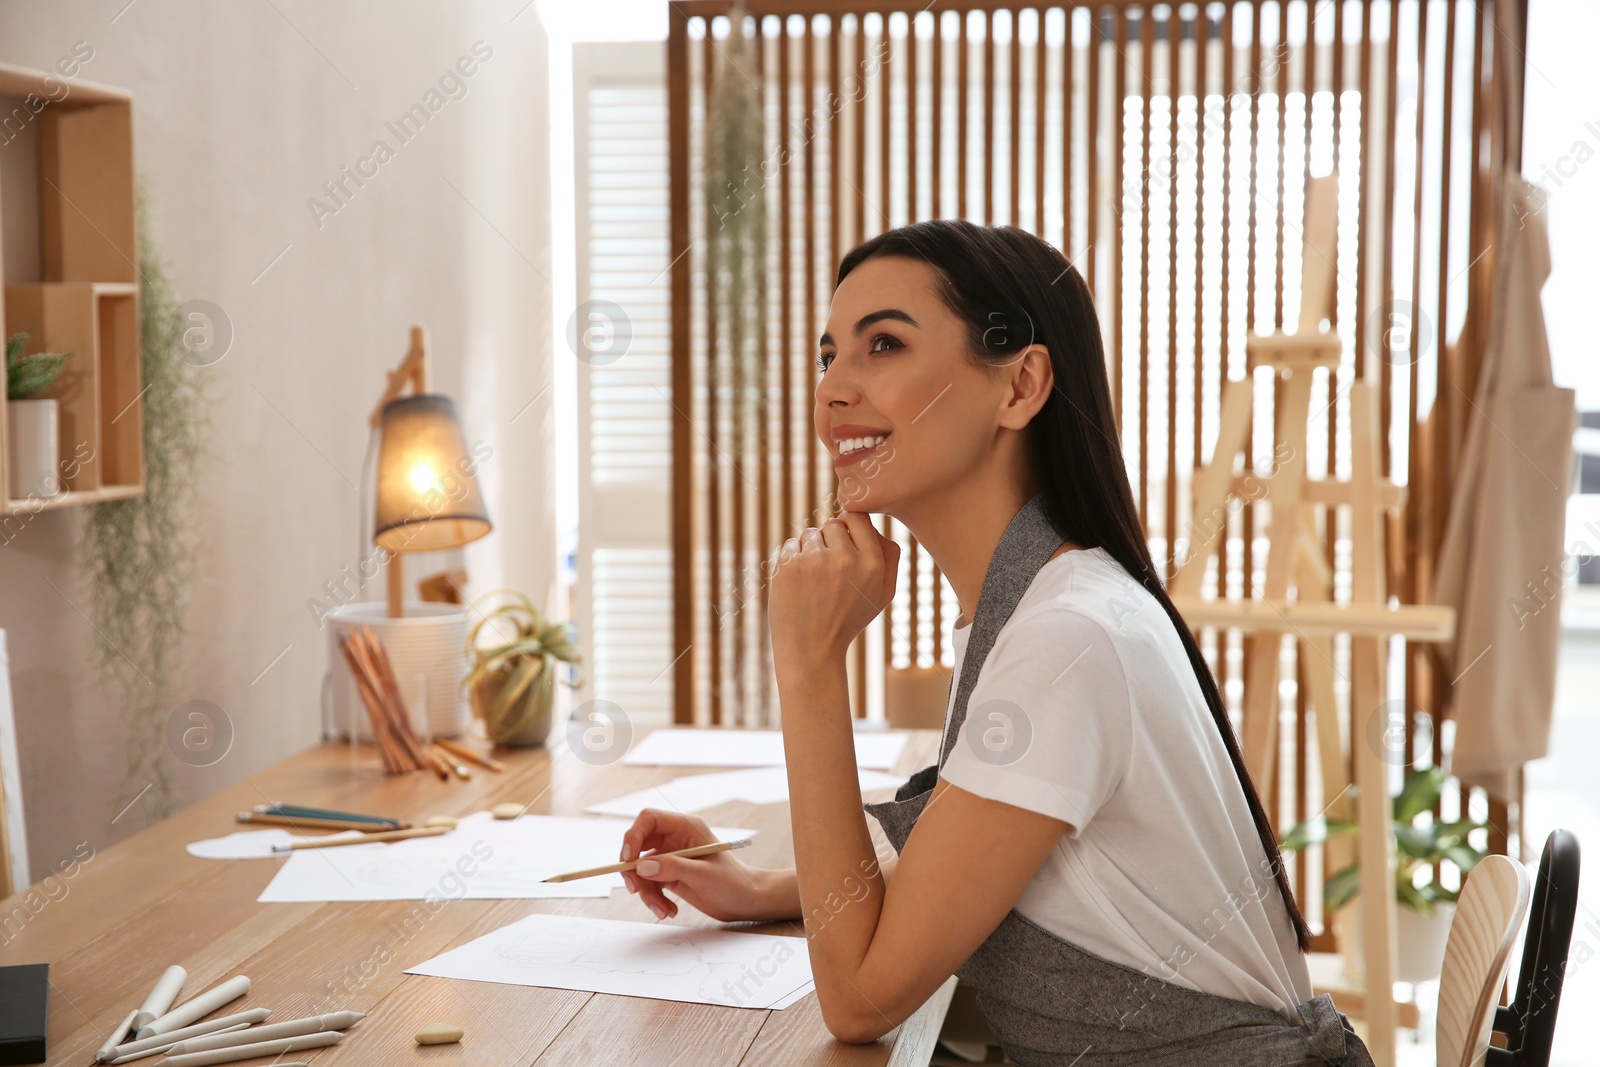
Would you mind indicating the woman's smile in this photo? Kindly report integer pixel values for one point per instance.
(857, 446)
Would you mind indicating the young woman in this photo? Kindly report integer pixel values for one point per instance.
(1089, 851)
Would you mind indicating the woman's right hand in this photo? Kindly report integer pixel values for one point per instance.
(721, 885)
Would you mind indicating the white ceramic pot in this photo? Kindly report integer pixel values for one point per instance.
(426, 647)
(1420, 941)
(35, 427)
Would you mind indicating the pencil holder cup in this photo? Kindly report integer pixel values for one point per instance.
(425, 648)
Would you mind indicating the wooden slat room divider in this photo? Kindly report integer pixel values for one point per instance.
(1164, 148)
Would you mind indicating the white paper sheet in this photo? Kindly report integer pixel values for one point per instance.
(483, 858)
(728, 747)
(809, 987)
(695, 792)
(727, 967)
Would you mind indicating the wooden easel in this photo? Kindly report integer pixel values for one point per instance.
(1295, 562)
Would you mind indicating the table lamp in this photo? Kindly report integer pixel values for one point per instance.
(427, 495)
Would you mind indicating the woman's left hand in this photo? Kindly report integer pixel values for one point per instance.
(828, 585)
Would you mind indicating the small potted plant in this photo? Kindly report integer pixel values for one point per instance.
(515, 651)
(1423, 920)
(35, 423)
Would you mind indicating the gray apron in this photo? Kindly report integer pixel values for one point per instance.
(1053, 1004)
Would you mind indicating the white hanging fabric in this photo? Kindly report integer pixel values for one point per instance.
(1502, 562)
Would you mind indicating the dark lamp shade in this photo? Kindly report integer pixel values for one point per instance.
(428, 495)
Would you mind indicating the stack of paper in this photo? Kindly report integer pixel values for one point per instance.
(726, 967)
(695, 792)
(689, 747)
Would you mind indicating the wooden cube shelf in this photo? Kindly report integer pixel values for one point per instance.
(69, 262)
(98, 391)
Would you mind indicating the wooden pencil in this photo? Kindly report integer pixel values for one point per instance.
(628, 865)
(365, 839)
(466, 753)
(437, 761)
(457, 768)
(396, 704)
(383, 698)
(388, 747)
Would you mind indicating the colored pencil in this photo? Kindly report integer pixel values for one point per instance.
(307, 823)
(278, 808)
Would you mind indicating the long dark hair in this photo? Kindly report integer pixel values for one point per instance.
(1014, 289)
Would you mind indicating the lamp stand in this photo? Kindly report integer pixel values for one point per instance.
(413, 368)
(397, 586)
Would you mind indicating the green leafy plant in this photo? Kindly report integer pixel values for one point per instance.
(1418, 844)
(140, 552)
(28, 376)
(513, 674)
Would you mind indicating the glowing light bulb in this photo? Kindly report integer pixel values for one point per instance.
(423, 478)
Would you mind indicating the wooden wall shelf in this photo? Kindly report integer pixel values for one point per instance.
(69, 265)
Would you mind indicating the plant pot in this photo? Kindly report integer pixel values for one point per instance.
(526, 722)
(34, 445)
(425, 648)
(1419, 942)
(1421, 939)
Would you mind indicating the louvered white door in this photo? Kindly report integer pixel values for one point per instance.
(624, 587)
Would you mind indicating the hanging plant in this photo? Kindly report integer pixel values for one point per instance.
(140, 551)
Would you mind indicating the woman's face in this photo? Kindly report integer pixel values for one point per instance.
(903, 408)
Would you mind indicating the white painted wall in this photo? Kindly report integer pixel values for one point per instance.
(242, 111)
(1561, 153)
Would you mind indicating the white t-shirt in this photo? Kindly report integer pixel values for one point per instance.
(1087, 710)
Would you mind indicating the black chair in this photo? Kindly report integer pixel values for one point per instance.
(1529, 1023)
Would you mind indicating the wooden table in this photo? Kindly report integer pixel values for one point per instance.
(130, 910)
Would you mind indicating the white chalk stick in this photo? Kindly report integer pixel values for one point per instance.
(259, 1048)
(115, 1039)
(210, 1026)
(314, 1024)
(159, 1002)
(166, 1045)
(197, 1007)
